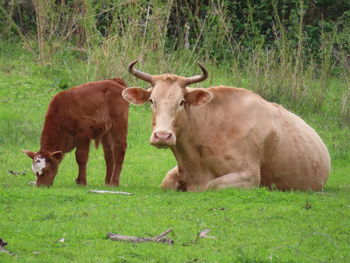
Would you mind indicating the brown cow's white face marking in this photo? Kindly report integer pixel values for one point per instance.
(39, 163)
(45, 165)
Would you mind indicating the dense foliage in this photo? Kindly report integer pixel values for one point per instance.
(287, 51)
(230, 24)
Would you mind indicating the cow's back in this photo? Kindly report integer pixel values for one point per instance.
(89, 110)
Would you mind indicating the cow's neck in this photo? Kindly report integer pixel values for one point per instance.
(191, 169)
(196, 132)
(186, 151)
(192, 142)
(53, 137)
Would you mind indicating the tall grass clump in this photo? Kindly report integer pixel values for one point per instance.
(133, 31)
(273, 48)
(285, 70)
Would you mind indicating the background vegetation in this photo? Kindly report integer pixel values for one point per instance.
(295, 52)
(288, 51)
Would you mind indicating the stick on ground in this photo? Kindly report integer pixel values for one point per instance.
(158, 239)
(108, 192)
(203, 234)
(4, 250)
(17, 173)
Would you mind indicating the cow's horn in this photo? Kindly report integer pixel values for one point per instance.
(199, 78)
(139, 74)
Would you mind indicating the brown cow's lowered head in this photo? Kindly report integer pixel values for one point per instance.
(45, 166)
(170, 101)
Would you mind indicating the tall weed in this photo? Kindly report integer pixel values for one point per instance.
(104, 37)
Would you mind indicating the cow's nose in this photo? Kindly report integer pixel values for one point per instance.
(163, 138)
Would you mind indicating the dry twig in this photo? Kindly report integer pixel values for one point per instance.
(203, 234)
(2, 249)
(108, 192)
(17, 173)
(158, 239)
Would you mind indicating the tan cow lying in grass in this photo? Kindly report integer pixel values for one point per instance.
(91, 111)
(229, 137)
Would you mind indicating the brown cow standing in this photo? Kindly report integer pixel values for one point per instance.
(229, 137)
(91, 111)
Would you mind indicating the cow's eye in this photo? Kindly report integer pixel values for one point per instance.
(182, 103)
(153, 104)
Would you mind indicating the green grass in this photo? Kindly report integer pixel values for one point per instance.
(249, 225)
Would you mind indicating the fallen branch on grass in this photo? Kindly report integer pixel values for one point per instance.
(2, 249)
(203, 234)
(2, 243)
(158, 239)
(17, 173)
(108, 192)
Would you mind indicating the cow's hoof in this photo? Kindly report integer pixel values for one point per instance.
(80, 182)
(113, 184)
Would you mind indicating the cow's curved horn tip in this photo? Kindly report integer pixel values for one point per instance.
(133, 62)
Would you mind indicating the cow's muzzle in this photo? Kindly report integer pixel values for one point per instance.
(163, 139)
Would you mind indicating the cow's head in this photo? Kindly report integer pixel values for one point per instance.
(170, 101)
(45, 165)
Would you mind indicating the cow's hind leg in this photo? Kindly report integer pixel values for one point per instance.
(119, 153)
(107, 144)
(114, 146)
(244, 179)
(81, 157)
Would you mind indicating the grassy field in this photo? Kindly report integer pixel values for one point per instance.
(249, 225)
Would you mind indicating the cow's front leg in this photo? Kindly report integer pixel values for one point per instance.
(81, 156)
(244, 179)
(172, 181)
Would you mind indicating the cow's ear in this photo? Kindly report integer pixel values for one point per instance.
(136, 95)
(29, 153)
(58, 155)
(198, 97)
